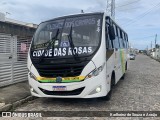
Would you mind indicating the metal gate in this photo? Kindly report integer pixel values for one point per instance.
(13, 59)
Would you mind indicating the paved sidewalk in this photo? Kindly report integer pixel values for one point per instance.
(14, 95)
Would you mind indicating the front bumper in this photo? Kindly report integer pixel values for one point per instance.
(84, 89)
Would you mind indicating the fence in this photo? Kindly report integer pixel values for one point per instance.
(13, 59)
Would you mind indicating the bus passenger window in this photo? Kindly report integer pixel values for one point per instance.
(108, 41)
(115, 31)
(124, 41)
(116, 41)
(121, 34)
(120, 38)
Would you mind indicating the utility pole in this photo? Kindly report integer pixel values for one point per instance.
(147, 50)
(155, 40)
(111, 8)
(151, 45)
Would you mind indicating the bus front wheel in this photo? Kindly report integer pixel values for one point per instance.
(108, 96)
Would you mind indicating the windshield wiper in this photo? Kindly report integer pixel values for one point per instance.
(75, 55)
(51, 42)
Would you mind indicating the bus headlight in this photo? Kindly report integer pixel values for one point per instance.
(32, 76)
(96, 71)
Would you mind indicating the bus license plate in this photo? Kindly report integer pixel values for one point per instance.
(59, 88)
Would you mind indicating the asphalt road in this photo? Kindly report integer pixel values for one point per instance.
(139, 91)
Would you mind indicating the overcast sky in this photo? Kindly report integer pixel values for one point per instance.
(139, 18)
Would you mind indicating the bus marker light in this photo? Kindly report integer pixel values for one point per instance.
(32, 76)
(32, 89)
(89, 76)
(98, 89)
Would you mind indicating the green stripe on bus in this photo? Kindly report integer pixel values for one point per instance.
(54, 81)
(122, 60)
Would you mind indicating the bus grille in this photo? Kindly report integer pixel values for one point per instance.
(62, 70)
(63, 93)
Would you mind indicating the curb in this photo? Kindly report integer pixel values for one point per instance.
(10, 107)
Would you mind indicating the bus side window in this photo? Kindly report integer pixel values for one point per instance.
(116, 41)
(123, 40)
(108, 41)
(106, 36)
(121, 34)
(125, 35)
(126, 40)
(120, 38)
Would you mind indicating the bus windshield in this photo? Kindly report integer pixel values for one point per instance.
(85, 32)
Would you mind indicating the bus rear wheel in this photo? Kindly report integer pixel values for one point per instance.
(123, 77)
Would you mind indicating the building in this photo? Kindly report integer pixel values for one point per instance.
(155, 53)
(15, 27)
(15, 39)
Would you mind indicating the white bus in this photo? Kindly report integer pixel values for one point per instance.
(77, 56)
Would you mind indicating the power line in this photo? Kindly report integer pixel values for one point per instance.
(128, 4)
(142, 15)
(111, 7)
(129, 9)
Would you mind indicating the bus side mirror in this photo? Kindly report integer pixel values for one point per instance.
(111, 32)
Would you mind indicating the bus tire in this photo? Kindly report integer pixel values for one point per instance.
(126, 67)
(107, 97)
(123, 77)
